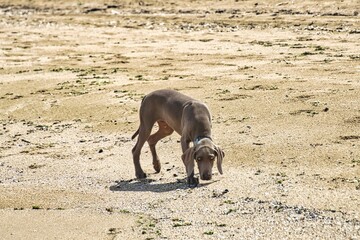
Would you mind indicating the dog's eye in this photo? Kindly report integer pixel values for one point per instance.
(212, 157)
(198, 158)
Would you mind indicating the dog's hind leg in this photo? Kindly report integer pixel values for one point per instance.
(144, 133)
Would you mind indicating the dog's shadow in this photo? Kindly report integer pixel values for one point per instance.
(151, 185)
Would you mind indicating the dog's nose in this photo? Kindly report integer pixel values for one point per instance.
(206, 176)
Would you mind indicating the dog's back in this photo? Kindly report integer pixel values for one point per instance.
(165, 105)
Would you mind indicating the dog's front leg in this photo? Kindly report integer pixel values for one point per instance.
(188, 159)
(192, 181)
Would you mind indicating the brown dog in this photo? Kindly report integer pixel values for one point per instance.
(189, 118)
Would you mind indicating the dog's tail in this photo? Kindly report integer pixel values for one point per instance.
(135, 134)
(137, 131)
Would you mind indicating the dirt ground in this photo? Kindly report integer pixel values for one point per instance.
(281, 78)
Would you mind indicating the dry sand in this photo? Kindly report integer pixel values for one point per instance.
(282, 79)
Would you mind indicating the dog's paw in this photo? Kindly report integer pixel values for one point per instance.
(192, 182)
(141, 175)
(157, 166)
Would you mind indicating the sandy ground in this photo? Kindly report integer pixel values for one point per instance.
(282, 80)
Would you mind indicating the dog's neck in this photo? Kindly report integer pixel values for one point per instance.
(199, 138)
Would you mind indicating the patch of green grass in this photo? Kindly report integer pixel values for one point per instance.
(305, 111)
(246, 67)
(22, 71)
(220, 224)
(124, 211)
(36, 166)
(180, 223)
(258, 172)
(357, 161)
(354, 57)
(279, 181)
(17, 97)
(24, 47)
(224, 91)
(206, 40)
(297, 45)
(110, 210)
(210, 232)
(320, 48)
(60, 69)
(263, 43)
(281, 174)
(260, 87)
(121, 91)
(307, 53)
(280, 178)
(229, 201)
(148, 226)
(230, 211)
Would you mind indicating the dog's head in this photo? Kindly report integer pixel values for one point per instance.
(204, 152)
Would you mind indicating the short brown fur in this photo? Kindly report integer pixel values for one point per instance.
(191, 119)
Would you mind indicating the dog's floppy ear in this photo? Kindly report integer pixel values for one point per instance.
(220, 155)
(188, 159)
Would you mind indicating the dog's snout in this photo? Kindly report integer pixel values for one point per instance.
(206, 176)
